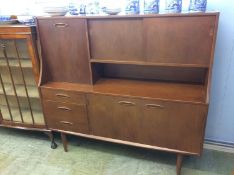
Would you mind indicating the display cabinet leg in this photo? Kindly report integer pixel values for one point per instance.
(179, 163)
(51, 137)
(64, 140)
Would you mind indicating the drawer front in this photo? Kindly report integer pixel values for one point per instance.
(63, 96)
(170, 125)
(64, 116)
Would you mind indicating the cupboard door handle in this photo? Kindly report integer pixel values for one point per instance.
(61, 25)
(66, 123)
(63, 95)
(64, 108)
(154, 106)
(127, 103)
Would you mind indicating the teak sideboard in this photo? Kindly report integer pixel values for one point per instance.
(136, 80)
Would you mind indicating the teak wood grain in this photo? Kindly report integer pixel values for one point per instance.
(108, 39)
(179, 39)
(153, 122)
(145, 79)
(64, 49)
(169, 91)
(63, 96)
(66, 116)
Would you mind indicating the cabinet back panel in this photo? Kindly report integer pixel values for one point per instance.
(193, 75)
(64, 50)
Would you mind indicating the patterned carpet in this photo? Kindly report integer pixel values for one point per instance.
(29, 153)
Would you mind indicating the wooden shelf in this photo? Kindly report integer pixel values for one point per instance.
(38, 116)
(20, 89)
(142, 63)
(158, 90)
(143, 89)
(25, 63)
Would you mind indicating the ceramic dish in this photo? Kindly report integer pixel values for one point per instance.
(26, 19)
(5, 22)
(57, 13)
(113, 11)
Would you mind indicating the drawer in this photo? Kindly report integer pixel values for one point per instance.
(65, 116)
(63, 96)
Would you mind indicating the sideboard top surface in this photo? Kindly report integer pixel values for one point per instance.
(133, 16)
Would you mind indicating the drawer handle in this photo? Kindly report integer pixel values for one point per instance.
(127, 103)
(66, 123)
(64, 108)
(61, 25)
(154, 106)
(63, 95)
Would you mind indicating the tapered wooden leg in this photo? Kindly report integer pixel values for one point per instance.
(179, 163)
(64, 140)
(51, 137)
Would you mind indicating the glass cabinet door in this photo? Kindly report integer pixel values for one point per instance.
(19, 96)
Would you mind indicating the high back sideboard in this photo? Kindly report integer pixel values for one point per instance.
(139, 80)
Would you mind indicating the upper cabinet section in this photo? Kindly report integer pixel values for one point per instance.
(173, 40)
(64, 50)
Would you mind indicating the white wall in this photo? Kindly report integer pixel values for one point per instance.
(220, 125)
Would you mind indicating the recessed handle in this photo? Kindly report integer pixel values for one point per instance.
(127, 103)
(61, 25)
(63, 95)
(154, 106)
(64, 108)
(66, 123)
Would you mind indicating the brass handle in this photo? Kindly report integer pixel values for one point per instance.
(63, 95)
(127, 103)
(66, 123)
(61, 25)
(64, 108)
(154, 106)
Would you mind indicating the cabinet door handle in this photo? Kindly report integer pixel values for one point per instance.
(154, 106)
(66, 123)
(127, 103)
(61, 25)
(64, 108)
(63, 95)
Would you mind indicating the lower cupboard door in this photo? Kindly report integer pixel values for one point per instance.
(173, 125)
(114, 117)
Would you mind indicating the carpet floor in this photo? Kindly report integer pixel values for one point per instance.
(29, 153)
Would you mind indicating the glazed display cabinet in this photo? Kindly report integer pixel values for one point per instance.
(20, 103)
